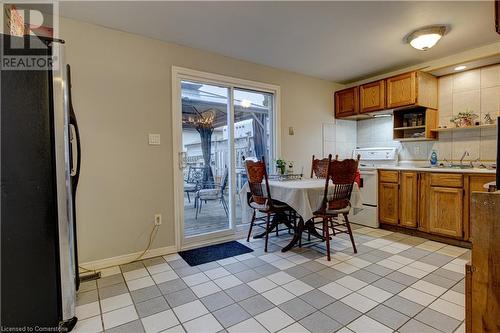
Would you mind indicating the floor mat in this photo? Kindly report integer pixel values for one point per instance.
(210, 253)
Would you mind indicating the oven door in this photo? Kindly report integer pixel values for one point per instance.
(368, 187)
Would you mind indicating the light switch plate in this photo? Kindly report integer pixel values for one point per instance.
(154, 139)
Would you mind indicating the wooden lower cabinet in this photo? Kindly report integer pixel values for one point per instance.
(473, 183)
(446, 211)
(408, 199)
(388, 198)
(423, 201)
(482, 305)
(431, 202)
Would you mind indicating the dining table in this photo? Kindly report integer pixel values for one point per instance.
(304, 196)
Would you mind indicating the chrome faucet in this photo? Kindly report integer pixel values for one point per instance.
(466, 153)
(448, 163)
(475, 161)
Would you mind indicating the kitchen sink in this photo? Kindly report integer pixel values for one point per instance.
(453, 166)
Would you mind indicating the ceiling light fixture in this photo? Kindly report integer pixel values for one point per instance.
(460, 68)
(425, 38)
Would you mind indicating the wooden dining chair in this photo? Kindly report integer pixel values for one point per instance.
(336, 199)
(319, 167)
(260, 197)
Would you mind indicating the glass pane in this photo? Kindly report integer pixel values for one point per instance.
(253, 133)
(206, 148)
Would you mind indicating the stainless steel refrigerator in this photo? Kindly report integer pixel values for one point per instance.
(40, 166)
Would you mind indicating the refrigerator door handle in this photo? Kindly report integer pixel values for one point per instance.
(75, 170)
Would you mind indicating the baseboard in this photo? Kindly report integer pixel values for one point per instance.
(123, 259)
(421, 234)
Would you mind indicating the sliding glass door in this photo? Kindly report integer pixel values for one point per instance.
(253, 137)
(205, 145)
(222, 124)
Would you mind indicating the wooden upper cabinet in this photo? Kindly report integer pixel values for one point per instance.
(401, 90)
(372, 96)
(446, 211)
(408, 199)
(388, 202)
(412, 89)
(347, 102)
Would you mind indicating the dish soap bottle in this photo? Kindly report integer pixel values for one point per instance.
(434, 158)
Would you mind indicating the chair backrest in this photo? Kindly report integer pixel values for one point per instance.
(195, 174)
(319, 168)
(257, 173)
(342, 174)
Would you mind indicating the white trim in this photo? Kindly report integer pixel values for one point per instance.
(126, 258)
(206, 242)
(179, 74)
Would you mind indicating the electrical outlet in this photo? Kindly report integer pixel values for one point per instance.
(157, 219)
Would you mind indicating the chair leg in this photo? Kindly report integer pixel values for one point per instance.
(348, 225)
(326, 234)
(189, 199)
(251, 226)
(333, 225)
(224, 205)
(198, 207)
(267, 230)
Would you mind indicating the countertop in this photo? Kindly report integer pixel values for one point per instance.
(438, 169)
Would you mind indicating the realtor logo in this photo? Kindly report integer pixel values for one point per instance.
(28, 28)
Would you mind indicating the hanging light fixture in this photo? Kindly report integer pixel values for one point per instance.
(425, 38)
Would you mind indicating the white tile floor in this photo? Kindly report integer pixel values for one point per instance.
(396, 283)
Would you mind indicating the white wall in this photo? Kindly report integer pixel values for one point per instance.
(121, 92)
(477, 90)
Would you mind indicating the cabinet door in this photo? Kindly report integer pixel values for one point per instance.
(408, 198)
(388, 202)
(423, 201)
(346, 102)
(372, 96)
(401, 90)
(473, 183)
(446, 208)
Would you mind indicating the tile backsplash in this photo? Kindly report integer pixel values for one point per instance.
(476, 90)
(339, 138)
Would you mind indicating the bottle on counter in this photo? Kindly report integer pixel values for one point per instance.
(434, 158)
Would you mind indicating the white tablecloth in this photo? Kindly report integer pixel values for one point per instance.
(303, 195)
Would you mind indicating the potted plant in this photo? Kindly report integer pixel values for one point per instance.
(464, 119)
(281, 165)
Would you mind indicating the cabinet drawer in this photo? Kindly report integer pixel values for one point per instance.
(447, 179)
(388, 176)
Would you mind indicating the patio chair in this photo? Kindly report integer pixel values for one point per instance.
(260, 197)
(336, 199)
(211, 194)
(193, 181)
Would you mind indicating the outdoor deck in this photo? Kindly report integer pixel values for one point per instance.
(211, 217)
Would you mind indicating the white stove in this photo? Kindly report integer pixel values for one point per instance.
(371, 159)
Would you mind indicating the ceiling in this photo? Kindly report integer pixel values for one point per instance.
(337, 41)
